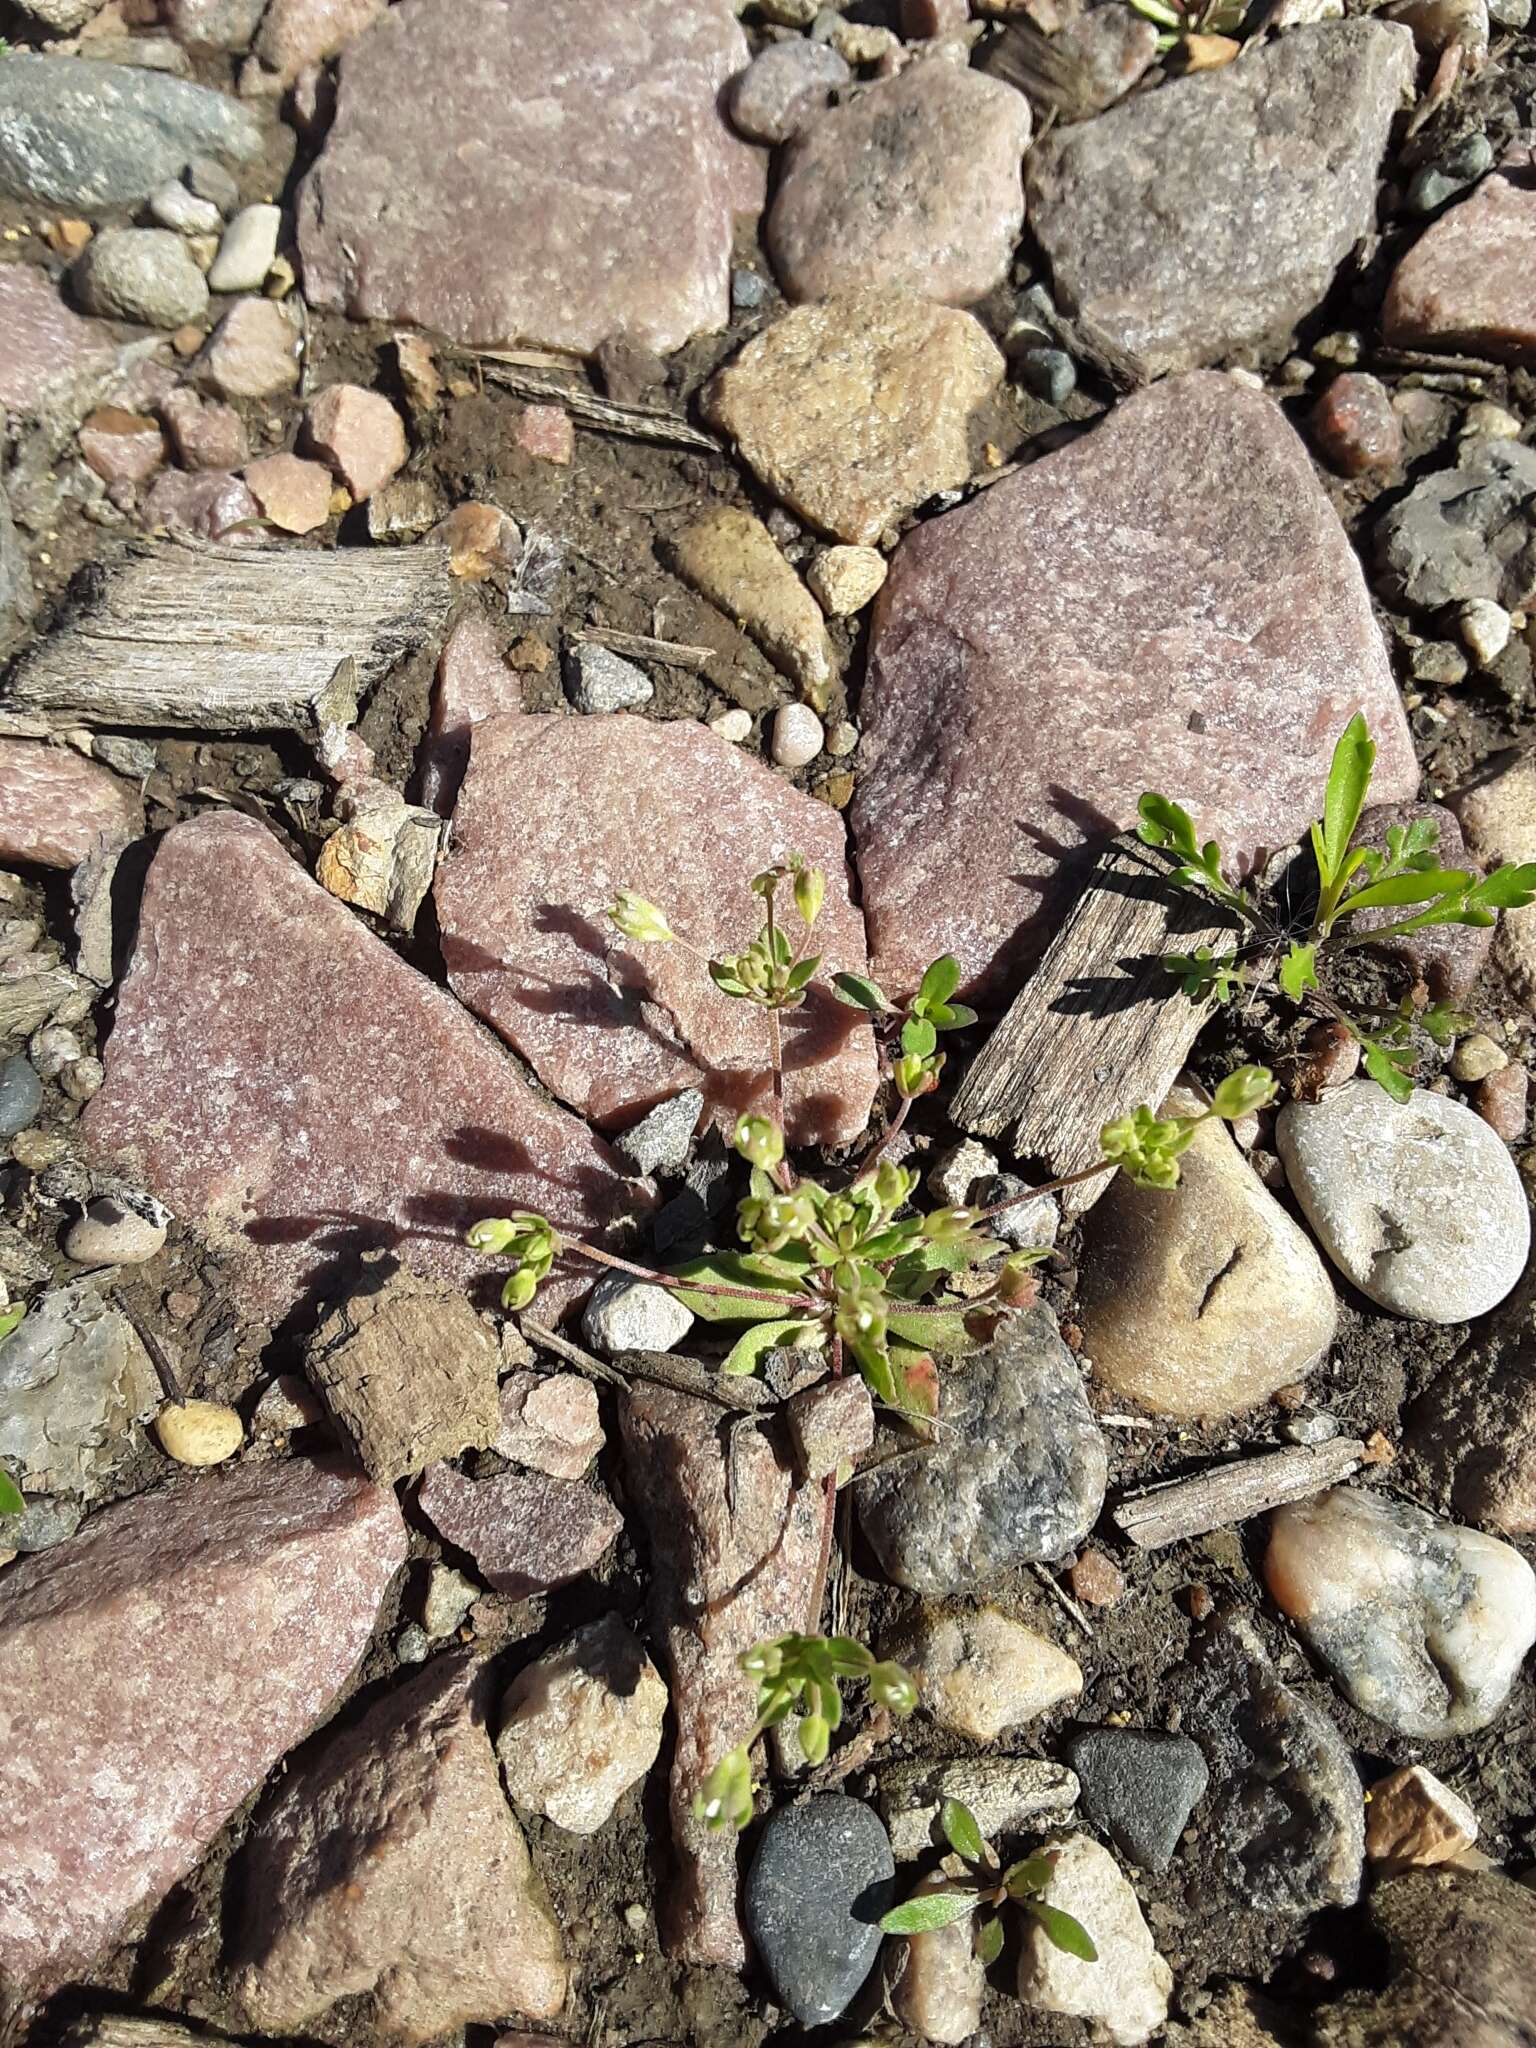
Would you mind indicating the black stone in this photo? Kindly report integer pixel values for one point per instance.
(822, 1876)
(1140, 1787)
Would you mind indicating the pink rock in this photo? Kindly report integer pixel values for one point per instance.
(56, 808)
(924, 18)
(253, 352)
(549, 1423)
(122, 447)
(297, 33)
(595, 191)
(1169, 603)
(323, 1097)
(294, 494)
(1500, 1100)
(54, 365)
(209, 506)
(915, 185)
(545, 431)
(785, 86)
(359, 434)
(155, 1667)
(205, 434)
(1469, 282)
(473, 683)
(555, 816)
(1356, 427)
(525, 1531)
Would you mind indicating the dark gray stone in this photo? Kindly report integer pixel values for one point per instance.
(21, 1094)
(1465, 532)
(659, 1142)
(1049, 373)
(1432, 184)
(822, 1876)
(1017, 1473)
(1140, 1787)
(94, 135)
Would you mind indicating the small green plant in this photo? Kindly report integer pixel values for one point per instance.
(974, 1882)
(1192, 18)
(1405, 875)
(802, 1675)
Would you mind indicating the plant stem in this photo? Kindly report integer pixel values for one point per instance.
(829, 1513)
(1067, 1180)
(676, 1284)
(877, 1151)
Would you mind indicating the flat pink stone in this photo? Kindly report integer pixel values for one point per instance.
(1469, 282)
(525, 1531)
(56, 807)
(279, 1071)
(559, 813)
(54, 364)
(1170, 603)
(473, 683)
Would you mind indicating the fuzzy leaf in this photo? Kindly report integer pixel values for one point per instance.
(720, 973)
(951, 1016)
(942, 1330)
(1033, 1874)
(962, 1831)
(1349, 777)
(1507, 888)
(747, 1353)
(1298, 971)
(860, 993)
(1067, 1934)
(918, 1037)
(801, 973)
(927, 1911)
(733, 1269)
(989, 1942)
(941, 979)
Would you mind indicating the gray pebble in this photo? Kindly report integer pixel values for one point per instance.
(134, 758)
(21, 1095)
(748, 290)
(633, 1315)
(48, 1520)
(173, 206)
(209, 180)
(140, 274)
(1033, 1221)
(411, 1645)
(1049, 373)
(822, 1876)
(1315, 1426)
(660, 1142)
(1433, 184)
(1140, 1787)
(600, 680)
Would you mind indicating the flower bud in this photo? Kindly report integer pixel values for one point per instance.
(759, 1139)
(637, 919)
(492, 1234)
(519, 1289)
(891, 1686)
(810, 891)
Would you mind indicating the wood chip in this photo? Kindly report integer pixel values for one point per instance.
(1232, 1493)
(641, 647)
(603, 415)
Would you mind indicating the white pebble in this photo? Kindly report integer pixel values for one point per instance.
(246, 251)
(1485, 627)
(842, 739)
(633, 1315)
(199, 1432)
(113, 1232)
(173, 206)
(734, 726)
(798, 735)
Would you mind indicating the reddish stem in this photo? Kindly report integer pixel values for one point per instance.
(675, 1283)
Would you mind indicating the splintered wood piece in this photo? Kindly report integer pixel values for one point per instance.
(602, 415)
(139, 2030)
(1100, 1026)
(238, 638)
(1232, 1493)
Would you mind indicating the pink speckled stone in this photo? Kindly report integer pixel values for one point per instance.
(545, 431)
(359, 434)
(122, 447)
(473, 683)
(558, 814)
(525, 1531)
(152, 1670)
(1469, 282)
(56, 807)
(54, 364)
(1169, 603)
(277, 1070)
(211, 505)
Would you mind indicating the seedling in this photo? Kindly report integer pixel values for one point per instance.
(1351, 879)
(975, 1883)
(1193, 19)
(800, 1674)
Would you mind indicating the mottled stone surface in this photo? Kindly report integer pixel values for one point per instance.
(734, 1548)
(820, 1880)
(1498, 816)
(254, 351)
(112, 1791)
(296, 33)
(1126, 1991)
(1018, 1474)
(943, 1980)
(1417, 1203)
(581, 1724)
(1469, 282)
(555, 816)
(473, 683)
(1170, 603)
(1009, 1796)
(731, 558)
(255, 1010)
(16, 596)
(1356, 426)
(54, 364)
(1277, 160)
(294, 494)
(913, 185)
(1448, 957)
(121, 446)
(209, 506)
(549, 1422)
(1463, 532)
(785, 86)
(979, 1674)
(390, 1864)
(855, 410)
(358, 433)
(1473, 1434)
(73, 1380)
(1423, 1624)
(601, 177)
(1200, 1300)
(525, 1531)
(56, 808)
(1140, 1786)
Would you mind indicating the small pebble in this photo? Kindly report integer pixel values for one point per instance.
(21, 1095)
(1316, 1426)
(734, 726)
(749, 290)
(1476, 1057)
(209, 180)
(1049, 373)
(1486, 421)
(661, 1140)
(600, 680)
(1356, 427)
(821, 1877)
(52, 1049)
(1485, 627)
(844, 579)
(1439, 661)
(83, 1080)
(1500, 1100)
(200, 1433)
(1412, 1820)
(1096, 1580)
(546, 433)
(140, 274)
(114, 1233)
(413, 1645)
(173, 206)
(842, 739)
(1432, 184)
(633, 1315)
(246, 250)
(798, 735)
(863, 42)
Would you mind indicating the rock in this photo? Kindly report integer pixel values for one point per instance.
(855, 410)
(601, 680)
(1278, 163)
(1413, 1820)
(1448, 957)
(384, 856)
(1422, 1624)
(603, 200)
(226, 25)
(1126, 1991)
(822, 1876)
(199, 1432)
(55, 364)
(911, 186)
(211, 506)
(1049, 373)
(1498, 816)
(1097, 1580)
(57, 809)
(1485, 629)
(1284, 1828)
(558, 813)
(549, 1423)
(525, 1532)
(389, 1864)
(114, 1230)
(122, 447)
(735, 1549)
(253, 352)
(1465, 161)
(943, 1981)
(785, 87)
(174, 206)
(295, 495)
(246, 251)
(1235, 2017)
(661, 1141)
(45, 1523)
(830, 1424)
(546, 433)
(1356, 427)
(359, 434)
(449, 1597)
(1201, 1301)
(1418, 1204)
(297, 33)
(479, 538)
(21, 1095)
(1469, 282)
(1473, 1434)
(408, 1371)
(1108, 50)
(74, 1378)
(1162, 629)
(1008, 1795)
(633, 1315)
(798, 736)
(843, 580)
(1463, 532)
(1501, 1101)
(1140, 1787)
(473, 683)
(730, 558)
(103, 135)
(1029, 1222)
(240, 1128)
(206, 176)
(735, 726)
(274, 1574)
(1018, 1473)
(581, 1725)
(978, 1674)
(16, 599)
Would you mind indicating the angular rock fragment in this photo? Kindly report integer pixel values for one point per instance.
(558, 814)
(1008, 1795)
(240, 1125)
(1414, 1821)
(1126, 1991)
(731, 558)
(549, 1422)
(57, 809)
(210, 506)
(735, 1556)
(1133, 612)
(16, 598)
(979, 1674)
(1277, 164)
(1498, 815)
(274, 1574)
(253, 352)
(390, 1865)
(525, 1532)
(73, 1380)
(1469, 282)
(1140, 1786)
(854, 410)
(602, 193)
(473, 683)
(383, 857)
(1463, 532)
(581, 1725)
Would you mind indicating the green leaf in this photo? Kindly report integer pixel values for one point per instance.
(733, 1269)
(720, 973)
(860, 993)
(1349, 777)
(1507, 888)
(1388, 1069)
(1033, 1874)
(1165, 823)
(1416, 886)
(747, 1353)
(11, 1318)
(918, 1037)
(989, 1942)
(1069, 1935)
(814, 1737)
(1298, 971)
(11, 1502)
(801, 973)
(927, 1911)
(942, 1330)
(941, 979)
(962, 1831)
(951, 1016)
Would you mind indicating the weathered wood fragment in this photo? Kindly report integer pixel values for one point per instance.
(138, 2030)
(1100, 1026)
(1234, 1492)
(602, 415)
(238, 638)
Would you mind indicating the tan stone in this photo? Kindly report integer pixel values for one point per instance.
(295, 495)
(843, 580)
(581, 1725)
(978, 1674)
(941, 1987)
(1126, 1990)
(383, 858)
(730, 558)
(1498, 817)
(253, 352)
(854, 410)
(1412, 1819)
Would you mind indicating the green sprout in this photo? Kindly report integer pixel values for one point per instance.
(1192, 18)
(975, 1882)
